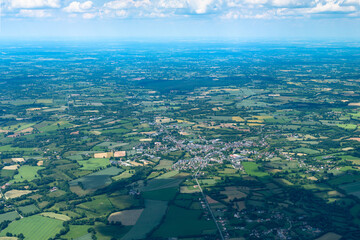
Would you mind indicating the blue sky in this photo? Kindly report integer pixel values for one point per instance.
(188, 19)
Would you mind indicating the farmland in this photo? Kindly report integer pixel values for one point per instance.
(187, 141)
(34, 227)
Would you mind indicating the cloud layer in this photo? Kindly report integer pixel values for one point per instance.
(222, 9)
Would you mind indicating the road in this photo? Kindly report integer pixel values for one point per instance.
(208, 206)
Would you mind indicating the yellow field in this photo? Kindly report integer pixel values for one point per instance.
(238, 119)
(16, 193)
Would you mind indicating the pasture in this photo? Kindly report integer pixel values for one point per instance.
(28, 209)
(94, 163)
(149, 219)
(9, 216)
(97, 180)
(34, 227)
(252, 169)
(27, 173)
(352, 188)
(126, 217)
(180, 222)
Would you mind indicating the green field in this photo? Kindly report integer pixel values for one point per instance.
(98, 179)
(100, 205)
(352, 188)
(34, 227)
(9, 216)
(94, 163)
(252, 169)
(164, 164)
(123, 175)
(347, 126)
(77, 231)
(149, 219)
(180, 222)
(165, 194)
(28, 209)
(27, 173)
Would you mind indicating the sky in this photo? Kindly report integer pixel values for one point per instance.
(181, 19)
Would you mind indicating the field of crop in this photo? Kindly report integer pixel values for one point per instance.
(126, 217)
(9, 148)
(252, 169)
(27, 172)
(53, 215)
(180, 222)
(123, 175)
(9, 216)
(156, 184)
(98, 179)
(164, 164)
(344, 179)
(306, 151)
(28, 209)
(77, 231)
(34, 227)
(352, 188)
(16, 193)
(55, 126)
(165, 194)
(123, 201)
(149, 219)
(100, 205)
(347, 126)
(94, 163)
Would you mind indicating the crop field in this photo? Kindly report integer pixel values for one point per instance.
(55, 126)
(27, 173)
(126, 217)
(16, 193)
(123, 201)
(252, 169)
(232, 193)
(77, 231)
(53, 215)
(164, 194)
(123, 175)
(94, 163)
(156, 184)
(100, 205)
(98, 179)
(344, 179)
(28, 209)
(9, 148)
(352, 188)
(9, 216)
(306, 150)
(149, 219)
(164, 164)
(34, 227)
(347, 126)
(182, 222)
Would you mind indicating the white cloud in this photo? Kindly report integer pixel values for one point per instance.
(332, 7)
(77, 7)
(202, 6)
(33, 13)
(34, 3)
(89, 15)
(123, 4)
